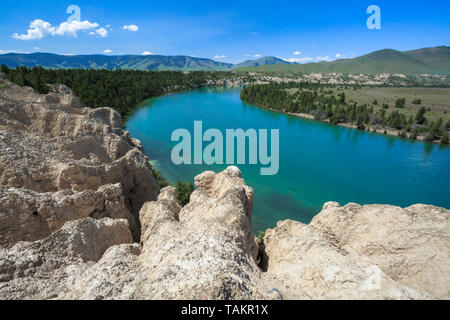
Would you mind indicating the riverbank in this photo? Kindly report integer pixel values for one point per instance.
(386, 132)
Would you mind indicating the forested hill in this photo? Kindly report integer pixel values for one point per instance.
(134, 62)
(122, 90)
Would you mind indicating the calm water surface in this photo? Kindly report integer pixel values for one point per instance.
(318, 162)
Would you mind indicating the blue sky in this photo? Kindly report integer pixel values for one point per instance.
(229, 31)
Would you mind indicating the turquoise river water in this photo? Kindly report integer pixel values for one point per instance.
(318, 162)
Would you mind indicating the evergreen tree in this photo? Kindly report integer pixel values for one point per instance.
(445, 139)
(4, 69)
(420, 118)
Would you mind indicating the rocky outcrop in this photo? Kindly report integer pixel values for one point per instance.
(410, 245)
(61, 162)
(74, 188)
(48, 268)
(29, 215)
(205, 250)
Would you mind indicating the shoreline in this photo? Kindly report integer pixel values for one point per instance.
(370, 129)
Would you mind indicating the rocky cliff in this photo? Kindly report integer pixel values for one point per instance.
(81, 218)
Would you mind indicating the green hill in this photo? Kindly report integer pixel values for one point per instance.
(427, 60)
(151, 62)
(260, 62)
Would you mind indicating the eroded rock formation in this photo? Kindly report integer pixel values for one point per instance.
(354, 252)
(75, 187)
(69, 162)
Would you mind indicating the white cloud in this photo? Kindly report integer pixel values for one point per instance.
(298, 60)
(131, 27)
(39, 29)
(102, 32)
(147, 53)
(36, 48)
(72, 28)
(323, 58)
(108, 51)
(338, 55)
(219, 56)
(297, 53)
(257, 55)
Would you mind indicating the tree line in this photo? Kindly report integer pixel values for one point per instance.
(119, 89)
(324, 103)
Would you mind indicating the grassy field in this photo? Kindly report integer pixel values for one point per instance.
(436, 100)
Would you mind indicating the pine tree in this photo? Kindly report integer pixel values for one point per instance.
(4, 69)
(420, 118)
(445, 139)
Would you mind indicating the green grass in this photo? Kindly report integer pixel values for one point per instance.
(435, 99)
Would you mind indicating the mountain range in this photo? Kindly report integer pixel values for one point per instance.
(426, 60)
(97, 61)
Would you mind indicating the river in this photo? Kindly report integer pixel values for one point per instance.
(318, 162)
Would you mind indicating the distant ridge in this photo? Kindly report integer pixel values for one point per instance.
(150, 62)
(426, 60)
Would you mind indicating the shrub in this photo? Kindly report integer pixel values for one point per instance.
(445, 139)
(260, 236)
(162, 183)
(400, 103)
(429, 137)
(184, 191)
